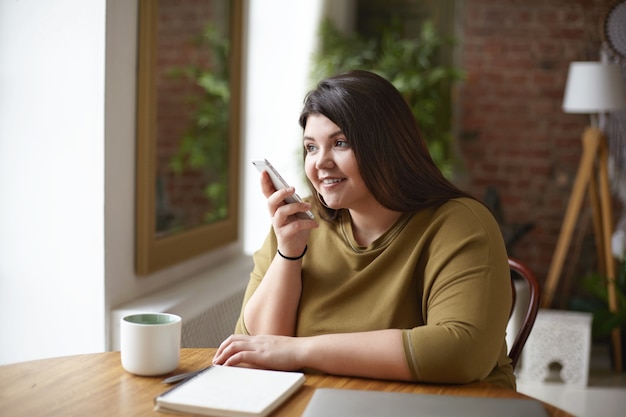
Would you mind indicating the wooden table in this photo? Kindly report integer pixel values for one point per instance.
(96, 385)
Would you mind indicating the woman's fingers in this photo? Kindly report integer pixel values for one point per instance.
(277, 207)
(267, 187)
(268, 352)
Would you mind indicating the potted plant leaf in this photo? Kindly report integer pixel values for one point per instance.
(596, 301)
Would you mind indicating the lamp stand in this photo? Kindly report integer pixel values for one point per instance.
(592, 171)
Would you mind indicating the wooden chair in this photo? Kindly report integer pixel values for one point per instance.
(521, 270)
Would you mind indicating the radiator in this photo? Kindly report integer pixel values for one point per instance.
(216, 323)
(209, 305)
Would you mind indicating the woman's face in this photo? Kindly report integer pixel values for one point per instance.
(331, 166)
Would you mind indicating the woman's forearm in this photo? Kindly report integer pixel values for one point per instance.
(374, 354)
(273, 307)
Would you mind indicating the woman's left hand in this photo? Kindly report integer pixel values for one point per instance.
(269, 352)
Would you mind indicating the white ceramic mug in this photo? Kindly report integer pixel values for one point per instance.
(150, 343)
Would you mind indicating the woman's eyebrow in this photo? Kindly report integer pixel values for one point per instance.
(332, 135)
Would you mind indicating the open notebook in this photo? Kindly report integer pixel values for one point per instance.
(228, 391)
(327, 402)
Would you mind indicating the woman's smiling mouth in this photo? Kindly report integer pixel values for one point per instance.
(330, 181)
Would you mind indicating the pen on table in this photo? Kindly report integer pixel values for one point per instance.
(185, 376)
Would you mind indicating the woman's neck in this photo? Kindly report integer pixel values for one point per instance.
(367, 226)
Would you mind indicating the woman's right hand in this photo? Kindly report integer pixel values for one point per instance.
(292, 232)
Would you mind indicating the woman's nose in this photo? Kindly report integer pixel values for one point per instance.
(324, 160)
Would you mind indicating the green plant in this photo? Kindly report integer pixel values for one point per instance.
(205, 144)
(413, 66)
(596, 301)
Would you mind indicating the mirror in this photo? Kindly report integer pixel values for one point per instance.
(188, 116)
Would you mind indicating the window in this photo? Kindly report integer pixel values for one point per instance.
(188, 115)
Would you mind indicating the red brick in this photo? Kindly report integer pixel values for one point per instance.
(517, 55)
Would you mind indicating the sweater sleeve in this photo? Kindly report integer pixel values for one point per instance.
(466, 300)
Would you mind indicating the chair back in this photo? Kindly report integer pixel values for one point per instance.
(519, 269)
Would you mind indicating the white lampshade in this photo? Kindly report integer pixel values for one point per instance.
(594, 87)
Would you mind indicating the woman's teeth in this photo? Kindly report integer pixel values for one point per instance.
(332, 181)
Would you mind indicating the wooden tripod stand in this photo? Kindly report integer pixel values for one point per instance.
(593, 166)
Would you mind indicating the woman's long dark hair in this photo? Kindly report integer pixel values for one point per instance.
(392, 156)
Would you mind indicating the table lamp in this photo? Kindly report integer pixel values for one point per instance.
(592, 88)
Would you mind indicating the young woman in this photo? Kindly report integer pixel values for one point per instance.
(401, 276)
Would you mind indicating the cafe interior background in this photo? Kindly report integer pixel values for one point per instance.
(69, 151)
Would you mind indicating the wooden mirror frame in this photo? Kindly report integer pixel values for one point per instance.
(152, 254)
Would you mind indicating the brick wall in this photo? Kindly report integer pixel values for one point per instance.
(180, 22)
(513, 134)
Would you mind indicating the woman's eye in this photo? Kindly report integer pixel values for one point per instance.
(342, 144)
(310, 147)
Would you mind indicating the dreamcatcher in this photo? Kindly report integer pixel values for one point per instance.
(614, 49)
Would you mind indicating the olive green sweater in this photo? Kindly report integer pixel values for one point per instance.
(440, 274)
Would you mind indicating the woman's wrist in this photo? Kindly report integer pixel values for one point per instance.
(293, 258)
